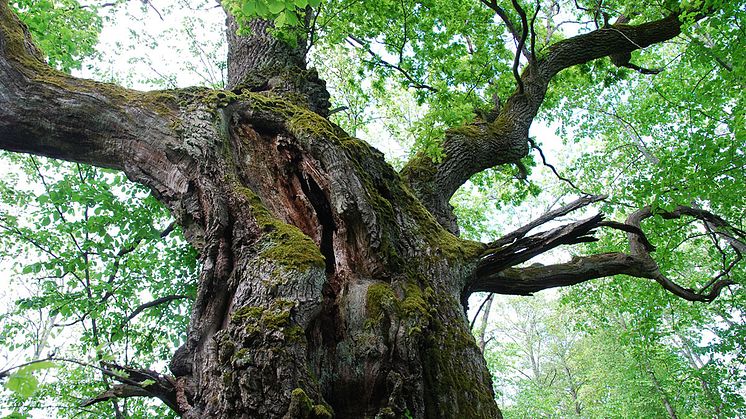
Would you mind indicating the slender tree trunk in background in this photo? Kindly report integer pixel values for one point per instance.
(696, 364)
(574, 388)
(485, 318)
(660, 390)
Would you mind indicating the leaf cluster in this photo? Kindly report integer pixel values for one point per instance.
(87, 248)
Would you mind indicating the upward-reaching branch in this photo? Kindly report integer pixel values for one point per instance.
(261, 61)
(521, 44)
(492, 4)
(472, 148)
(521, 232)
(608, 40)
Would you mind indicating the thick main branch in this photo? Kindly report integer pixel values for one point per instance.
(528, 280)
(49, 113)
(474, 147)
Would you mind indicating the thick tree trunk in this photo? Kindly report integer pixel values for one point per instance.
(327, 289)
(326, 285)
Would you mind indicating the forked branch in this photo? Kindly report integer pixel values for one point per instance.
(138, 383)
(496, 271)
(521, 45)
(545, 218)
(492, 4)
(475, 147)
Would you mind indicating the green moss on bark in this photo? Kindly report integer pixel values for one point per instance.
(30, 62)
(288, 246)
(450, 386)
(380, 300)
(264, 320)
(414, 309)
(420, 170)
(382, 184)
(302, 407)
(415, 301)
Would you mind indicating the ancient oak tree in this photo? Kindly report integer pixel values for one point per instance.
(333, 285)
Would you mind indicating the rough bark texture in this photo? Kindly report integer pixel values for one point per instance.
(328, 288)
(324, 285)
(259, 61)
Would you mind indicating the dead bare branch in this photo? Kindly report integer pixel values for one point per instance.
(545, 218)
(496, 272)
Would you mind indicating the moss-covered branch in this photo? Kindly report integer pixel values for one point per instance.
(47, 112)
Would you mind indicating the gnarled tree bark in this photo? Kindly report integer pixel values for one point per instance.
(326, 287)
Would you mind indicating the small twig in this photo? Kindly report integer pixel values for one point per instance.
(481, 306)
(149, 3)
(521, 44)
(725, 272)
(126, 250)
(312, 30)
(6, 372)
(414, 83)
(554, 170)
(154, 303)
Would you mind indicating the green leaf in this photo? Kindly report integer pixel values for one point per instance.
(290, 17)
(36, 366)
(275, 6)
(249, 8)
(261, 9)
(17, 415)
(146, 383)
(23, 382)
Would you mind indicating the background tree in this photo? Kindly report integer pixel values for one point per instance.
(551, 359)
(330, 282)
